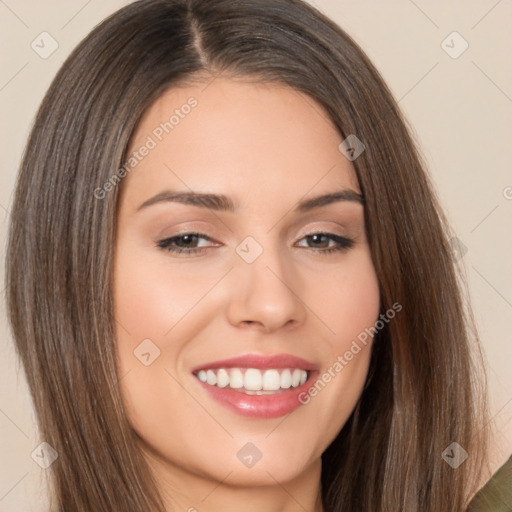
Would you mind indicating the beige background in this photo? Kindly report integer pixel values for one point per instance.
(461, 111)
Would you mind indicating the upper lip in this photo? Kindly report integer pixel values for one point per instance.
(259, 361)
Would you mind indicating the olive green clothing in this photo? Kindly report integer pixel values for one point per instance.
(496, 495)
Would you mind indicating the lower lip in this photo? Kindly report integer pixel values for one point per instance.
(259, 406)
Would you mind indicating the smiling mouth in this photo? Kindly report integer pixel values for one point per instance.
(253, 381)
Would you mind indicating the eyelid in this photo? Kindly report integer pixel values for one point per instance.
(321, 230)
(185, 228)
(328, 227)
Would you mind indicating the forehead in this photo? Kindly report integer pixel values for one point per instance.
(237, 137)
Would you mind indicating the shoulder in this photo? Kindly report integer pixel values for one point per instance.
(496, 495)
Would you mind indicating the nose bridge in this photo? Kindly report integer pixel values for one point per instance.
(264, 291)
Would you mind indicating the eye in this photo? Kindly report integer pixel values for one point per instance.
(185, 243)
(321, 241)
(189, 243)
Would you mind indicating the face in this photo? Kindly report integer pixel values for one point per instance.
(233, 308)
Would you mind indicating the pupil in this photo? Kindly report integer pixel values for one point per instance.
(187, 238)
(316, 238)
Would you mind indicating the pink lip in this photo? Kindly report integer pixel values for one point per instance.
(261, 362)
(260, 406)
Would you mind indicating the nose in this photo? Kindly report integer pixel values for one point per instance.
(266, 294)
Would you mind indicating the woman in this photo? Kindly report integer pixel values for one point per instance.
(229, 279)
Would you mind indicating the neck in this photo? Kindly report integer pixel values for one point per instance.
(191, 492)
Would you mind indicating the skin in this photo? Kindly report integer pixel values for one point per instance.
(267, 147)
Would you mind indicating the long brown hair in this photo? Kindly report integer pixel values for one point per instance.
(424, 388)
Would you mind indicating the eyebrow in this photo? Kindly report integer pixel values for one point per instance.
(220, 202)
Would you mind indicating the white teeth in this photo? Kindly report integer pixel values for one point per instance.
(222, 378)
(271, 380)
(236, 379)
(253, 379)
(211, 378)
(286, 379)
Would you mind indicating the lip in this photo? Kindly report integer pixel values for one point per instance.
(259, 406)
(261, 362)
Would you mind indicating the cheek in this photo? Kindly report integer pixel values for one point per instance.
(146, 307)
(158, 308)
(349, 299)
(350, 306)
(151, 297)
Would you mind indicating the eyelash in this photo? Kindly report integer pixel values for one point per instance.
(165, 244)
